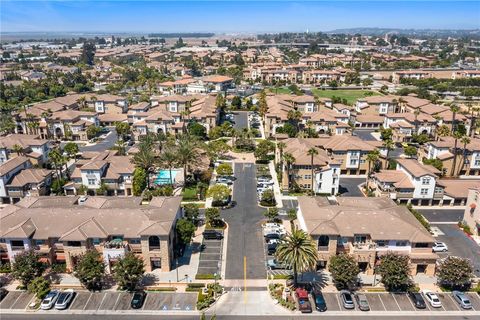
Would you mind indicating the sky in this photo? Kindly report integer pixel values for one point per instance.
(233, 16)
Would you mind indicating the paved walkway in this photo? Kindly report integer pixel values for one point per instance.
(276, 186)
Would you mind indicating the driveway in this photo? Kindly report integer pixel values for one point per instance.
(459, 245)
(103, 145)
(245, 240)
(442, 215)
(365, 135)
(349, 187)
(241, 120)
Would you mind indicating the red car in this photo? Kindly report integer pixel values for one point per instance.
(303, 300)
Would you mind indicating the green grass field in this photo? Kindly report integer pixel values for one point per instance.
(350, 95)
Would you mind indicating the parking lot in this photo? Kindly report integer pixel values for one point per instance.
(399, 302)
(109, 301)
(210, 257)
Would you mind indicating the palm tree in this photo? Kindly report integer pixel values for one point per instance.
(289, 159)
(297, 251)
(187, 152)
(389, 145)
(18, 149)
(454, 108)
(312, 152)
(456, 135)
(464, 140)
(416, 113)
(145, 159)
(294, 116)
(281, 146)
(168, 158)
(57, 160)
(372, 157)
(443, 131)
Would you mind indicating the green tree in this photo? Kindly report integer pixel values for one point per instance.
(262, 104)
(187, 152)
(145, 159)
(372, 157)
(40, 287)
(71, 148)
(443, 131)
(123, 129)
(93, 131)
(455, 273)
(312, 152)
(298, 251)
(344, 270)
(196, 129)
(456, 136)
(212, 215)
(168, 158)
(271, 214)
(102, 190)
(57, 160)
(218, 192)
(90, 269)
(88, 53)
(236, 102)
(27, 267)
(465, 140)
(139, 181)
(410, 151)
(185, 230)
(395, 271)
(18, 149)
(289, 160)
(128, 271)
(268, 198)
(191, 211)
(292, 214)
(224, 169)
(263, 149)
(217, 149)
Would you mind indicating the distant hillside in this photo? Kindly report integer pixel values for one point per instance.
(409, 32)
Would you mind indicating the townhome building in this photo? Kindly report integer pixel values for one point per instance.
(212, 83)
(112, 226)
(321, 76)
(8, 170)
(326, 170)
(107, 172)
(405, 125)
(72, 123)
(397, 76)
(466, 74)
(32, 147)
(109, 103)
(29, 182)
(377, 105)
(366, 228)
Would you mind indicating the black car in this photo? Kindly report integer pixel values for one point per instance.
(417, 300)
(212, 235)
(320, 303)
(3, 293)
(270, 236)
(272, 248)
(138, 299)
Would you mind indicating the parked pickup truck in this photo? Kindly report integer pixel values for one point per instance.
(303, 302)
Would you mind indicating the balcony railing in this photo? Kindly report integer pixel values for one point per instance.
(18, 248)
(360, 246)
(322, 248)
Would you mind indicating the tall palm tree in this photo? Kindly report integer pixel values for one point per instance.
(294, 116)
(289, 159)
(187, 152)
(456, 135)
(312, 152)
(372, 157)
(168, 158)
(455, 109)
(298, 251)
(443, 131)
(416, 113)
(18, 149)
(389, 145)
(281, 146)
(464, 141)
(145, 159)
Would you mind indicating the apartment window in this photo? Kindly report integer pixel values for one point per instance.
(381, 243)
(353, 162)
(308, 186)
(17, 244)
(421, 245)
(74, 244)
(96, 241)
(360, 239)
(39, 242)
(438, 190)
(91, 181)
(362, 161)
(134, 241)
(477, 162)
(308, 176)
(424, 192)
(401, 243)
(425, 181)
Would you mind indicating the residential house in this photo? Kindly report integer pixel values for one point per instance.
(8, 170)
(397, 76)
(32, 147)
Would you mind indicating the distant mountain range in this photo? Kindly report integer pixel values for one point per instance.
(409, 32)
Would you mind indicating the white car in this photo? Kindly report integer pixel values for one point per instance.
(272, 225)
(49, 301)
(64, 299)
(439, 247)
(278, 231)
(273, 241)
(432, 298)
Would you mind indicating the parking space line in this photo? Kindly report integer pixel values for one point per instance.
(338, 301)
(101, 302)
(396, 301)
(454, 302)
(411, 303)
(116, 301)
(30, 301)
(383, 304)
(15, 300)
(86, 303)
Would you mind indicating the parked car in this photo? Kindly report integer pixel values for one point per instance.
(50, 299)
(138, 299)
(64, 299)
(274, 264)
(347, 299)
(3, 293)
(272, 225)
(224, 181)
(362, 302)
(432, 298)
(417, 300)
(212, 235)
(272, 235)
(272, 248)
(320, 303)
(278, 231)
(439, 247)
(462, 299)
(303, 302)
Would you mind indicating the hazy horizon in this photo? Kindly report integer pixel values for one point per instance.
(230, 17)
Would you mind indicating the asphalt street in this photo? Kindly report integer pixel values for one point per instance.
(442, 215)
(349, 187)
(241, 120)
(245, 240)
(103, 145)
(365, 135)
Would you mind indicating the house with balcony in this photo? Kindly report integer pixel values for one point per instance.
(104, 171)
(112, 226)
(405, 125)
(8, 170)
(72, 123)
(29, 182)
(32, 147)
(346, 226)
(398, 76)
(377, 105)
(109, 103)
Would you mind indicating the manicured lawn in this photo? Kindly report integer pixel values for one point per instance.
(350, 95)
(190, 193)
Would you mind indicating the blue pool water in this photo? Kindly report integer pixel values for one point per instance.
(163, 177)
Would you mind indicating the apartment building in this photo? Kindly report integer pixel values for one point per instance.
(397, 76)
(8, 170)
(405, 125)
(346, 226)
(112, 226)
(468, 74)
(377, 105)
(103, 170)
(108, 103)
(471, 215)
(32, 147)
(326, 170)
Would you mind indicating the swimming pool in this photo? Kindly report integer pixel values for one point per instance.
(163, 177)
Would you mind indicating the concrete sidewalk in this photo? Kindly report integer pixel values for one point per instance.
(276, 186)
